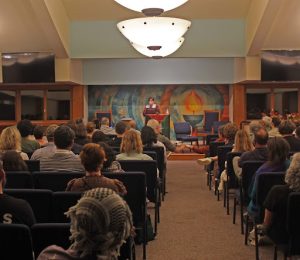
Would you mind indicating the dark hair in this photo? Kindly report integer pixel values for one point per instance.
(148, 136)
(25, 127)
(80, 131)
(121, 127)
(12, 161)
(276, 121)
(63, 137)
(229, 131)
(278, 150)
(298, 131)
(151, 98)
(261, 136)
(99, 136)
(110, 154)
(38, 132)
(286, 127)
(92, 157)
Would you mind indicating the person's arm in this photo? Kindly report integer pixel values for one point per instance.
(267, 218)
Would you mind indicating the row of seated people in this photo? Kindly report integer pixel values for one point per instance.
(273, 153)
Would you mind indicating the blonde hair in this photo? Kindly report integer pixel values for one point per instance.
(131, 142)
(10, 139)
(242, 141)
(292, 176)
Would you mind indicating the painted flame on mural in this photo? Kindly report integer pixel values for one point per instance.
(193, 102)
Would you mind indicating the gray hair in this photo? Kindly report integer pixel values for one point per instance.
(292, 177)
(100, 223)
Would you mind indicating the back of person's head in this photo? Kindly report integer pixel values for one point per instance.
(110, 154)
(10, 139)
(221, 131)
(105, 121)
(38, 132)
(80, 131)
(50, 132)
(278, 150)
(131, 142)
(276, 121)
(64, 137)
(154, 124)
(100, 223)
(254, 126)
(92, 157)
(148, 136)
(72, 125)
(261, 137)
(242, 141)
(132, 124)
(121, 127)
(12, 161)
(292, 176)
(230, 130)
(90, 127)
(286, 127)
(25, 127)
(99, 136)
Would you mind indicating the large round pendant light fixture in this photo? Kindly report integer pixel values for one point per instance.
(151, 7)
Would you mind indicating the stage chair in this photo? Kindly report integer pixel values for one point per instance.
(210, 116)
(183, 132)
(15, 242)
(216, 125)
(19, 180)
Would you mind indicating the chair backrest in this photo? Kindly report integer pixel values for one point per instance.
(39, 200)
(33, 165)
(160, 155)
(213, 148)
(55, 181)
(152, 154)
(19, 180)
(293, 224)
(222, 152)
(265, 182)
(135, 183)
(210, 116)
(149, 168)
(46, 234)
(62, 201)
(248, 170)
(15, 242)
(182, 129)
(232, 180)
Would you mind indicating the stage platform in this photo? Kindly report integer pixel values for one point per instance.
(185, 156)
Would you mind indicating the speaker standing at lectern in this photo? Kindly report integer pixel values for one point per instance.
(151, 108)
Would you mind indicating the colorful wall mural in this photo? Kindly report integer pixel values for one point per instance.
(182, 102)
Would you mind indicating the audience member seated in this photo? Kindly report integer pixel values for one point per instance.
(242, 143)
(90, 128)
(254, 127)
(12, 161)
(278, 152)
(50, 147)
(63, 159)
(121, 128)
(13, 210)
(132, 147)
(276, 203)
(105, 128)
(100, 223)
(260, 152)
(10, 139)
(275, 124)
(92, 158)
(99, 136)
(149, 139)
(38, 133)
(155, 125)
(230, 130)
(76, 148)
(80, 134)
(286, 129)
(110, 164)
(28, 145)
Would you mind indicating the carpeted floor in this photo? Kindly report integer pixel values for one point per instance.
(194, 225)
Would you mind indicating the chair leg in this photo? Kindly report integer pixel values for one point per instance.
(227, 200)
(256, 242)
(224, 195)
(275, 252)
(246, 230)
(234, 210)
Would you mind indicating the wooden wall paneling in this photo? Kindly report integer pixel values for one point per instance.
(77, 102)
(239, 103)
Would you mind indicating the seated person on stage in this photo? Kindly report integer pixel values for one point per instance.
(105, 128)
(151, 108)
(121, 128)
(13, 210)
(92, 158)
(286, 129)
(12, 161)
(63, 159)
(28, 143)
(155, 125)
(100, 223)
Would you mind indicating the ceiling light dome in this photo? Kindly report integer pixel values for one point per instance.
(153, 32)
(151, 7)
(165, 50)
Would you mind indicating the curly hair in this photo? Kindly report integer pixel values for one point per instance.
(131, 142)
(292, 176)
(10, 139)
(92, 157)
(229, 131)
